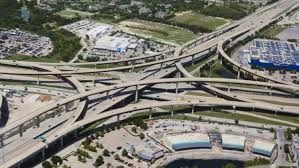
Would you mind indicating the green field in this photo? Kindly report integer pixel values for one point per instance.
(69, 14)
(198, 20)
(241, 117)
(271, 32)
(159, 31)
(18, 57)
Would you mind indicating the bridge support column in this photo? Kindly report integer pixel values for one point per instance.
(161, 66)
(228, 87)
(136, 94)
(192, 109)
(76, 133)
(21, 130)
(234, 109)
(238, 73)
(150, 113)
(176, 90)
(220, 57)
(1, 141)
(107, 94)
(172, 110)
(37, 121)
(118, 119)
(37, 81)
(43, 154)
(94, 77)
(192, 59)
(270, 93)
(61, 142)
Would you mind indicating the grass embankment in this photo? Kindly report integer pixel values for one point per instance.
(217, 114)
(198, 20)
(159, 31)
(240, 117)
(271, 32)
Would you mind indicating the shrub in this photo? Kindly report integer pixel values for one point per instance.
(47, 164)
(56, 160)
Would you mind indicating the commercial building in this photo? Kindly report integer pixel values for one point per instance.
(234, 142)
(148, 151)
(89, 29)
(189, 141)
(274, 54)
(113, 43)
(263, 147)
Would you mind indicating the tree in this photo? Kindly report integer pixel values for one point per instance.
(106, 152)
(56, 160)
(134, 129)
(230, 165)
(99, 161)
(142, 136)
(116, 157)
(124, 153)
(47, 164)
(236, 121)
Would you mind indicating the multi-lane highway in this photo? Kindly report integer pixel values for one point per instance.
(164, 65)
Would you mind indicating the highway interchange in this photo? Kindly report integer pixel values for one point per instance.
(142, 76)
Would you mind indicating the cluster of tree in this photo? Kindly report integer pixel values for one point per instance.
(56, 160)
(232, 11)
(140, 123)
(82, 155)
(87, 145)
(256, 162)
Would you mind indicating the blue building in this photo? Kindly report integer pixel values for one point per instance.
(274, 54)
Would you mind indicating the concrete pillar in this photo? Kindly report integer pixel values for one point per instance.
(228, 87)
(37, 121)
(94, 77)
(37, 82)
(21, 130)
(192, 59)
(234, 109)
(136, 93)
(161, 66)
(172, 110)
(107, 94)
(176, 89)
(76, 133)
(150, 114)
(270, 91)
(61, 142)
(212, 108)
(1, 141)
(43, 154)
(238, 73)
(219, 55)
(192, 111)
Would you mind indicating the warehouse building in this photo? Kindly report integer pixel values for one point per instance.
(263, 147)
(189, 141)
(233, 142)
(114, 44)
(274, 54)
